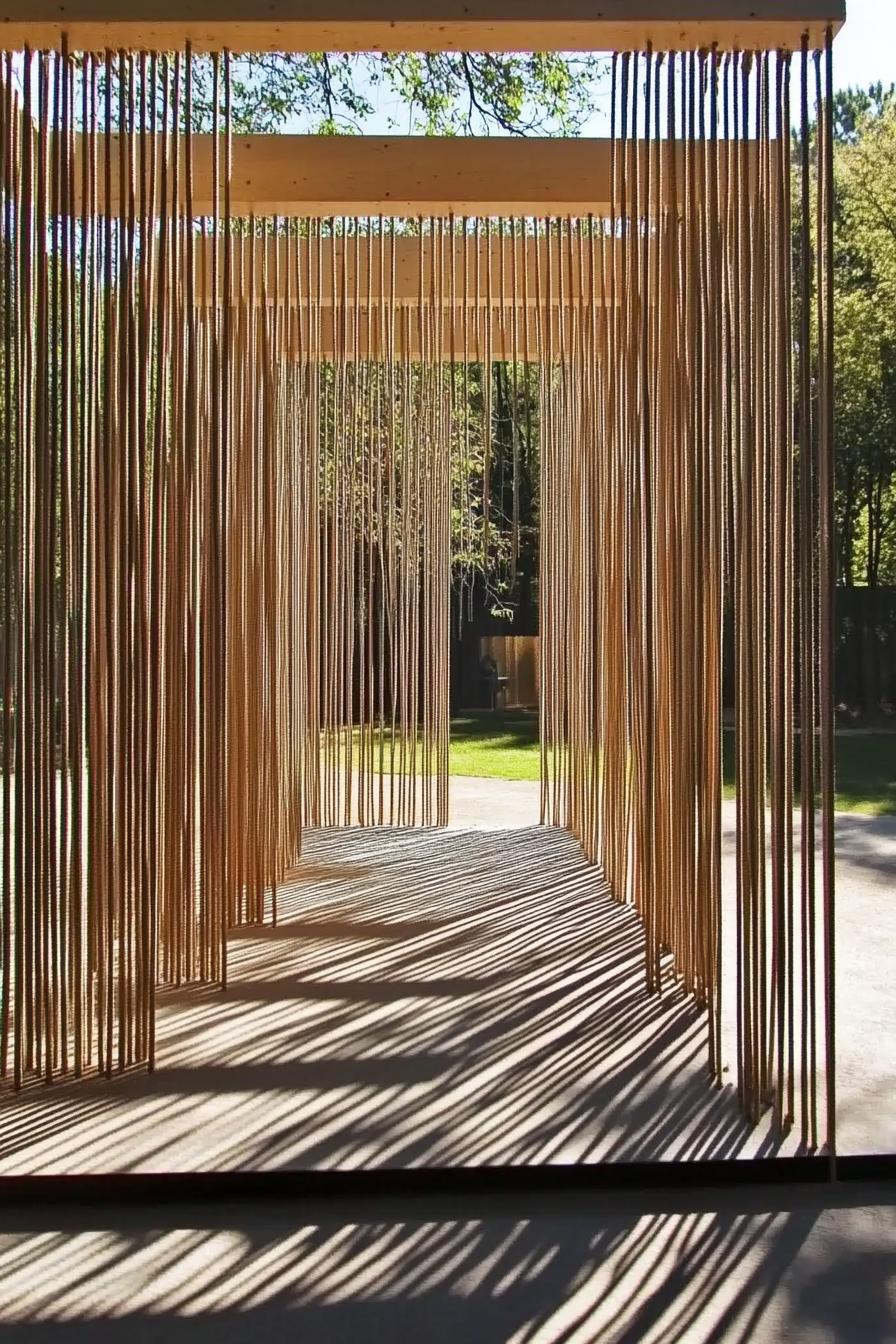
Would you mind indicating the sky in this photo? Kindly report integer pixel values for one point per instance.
(865, 49)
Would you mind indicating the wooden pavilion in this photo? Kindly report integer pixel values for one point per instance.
(235, 384)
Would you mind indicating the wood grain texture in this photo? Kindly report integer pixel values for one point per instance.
(307, 176)
(451, 25)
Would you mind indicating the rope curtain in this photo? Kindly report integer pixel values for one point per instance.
(150, 787)
(379, 584)
(240, 465)
(686, 472)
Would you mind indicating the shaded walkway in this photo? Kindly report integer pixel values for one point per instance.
(464, 996)
(427, 997)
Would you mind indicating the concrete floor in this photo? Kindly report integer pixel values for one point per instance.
(807, 1266)
(464, 996)
(458, 997)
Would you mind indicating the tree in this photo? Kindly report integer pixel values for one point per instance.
(865, 333)
(433, 93)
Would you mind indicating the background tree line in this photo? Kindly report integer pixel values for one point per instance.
(865, 391)
(865, 297)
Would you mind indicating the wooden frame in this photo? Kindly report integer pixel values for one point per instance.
(491, 311)
(410, 25)
(313, 176)
(315, 270)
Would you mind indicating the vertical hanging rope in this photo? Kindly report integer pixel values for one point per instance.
(114, 768)
(827, 573)
(693, 517)
(382, 516)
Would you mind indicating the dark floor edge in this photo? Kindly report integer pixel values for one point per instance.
(385, 1182)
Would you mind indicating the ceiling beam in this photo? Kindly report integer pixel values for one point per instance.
(311, 176)
(412, 25)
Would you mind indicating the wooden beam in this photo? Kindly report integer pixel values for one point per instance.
(497, 272)
(316, 176)
(412, 25)
(352, 175)
(460, 341)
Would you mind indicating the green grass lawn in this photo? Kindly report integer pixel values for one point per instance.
(505, 746)
(495, 746)
(865, 778)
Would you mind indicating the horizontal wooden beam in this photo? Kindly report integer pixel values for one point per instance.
(310, 176)
(350, 175)
(461, 341)
(464, 273)
(412, 25)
